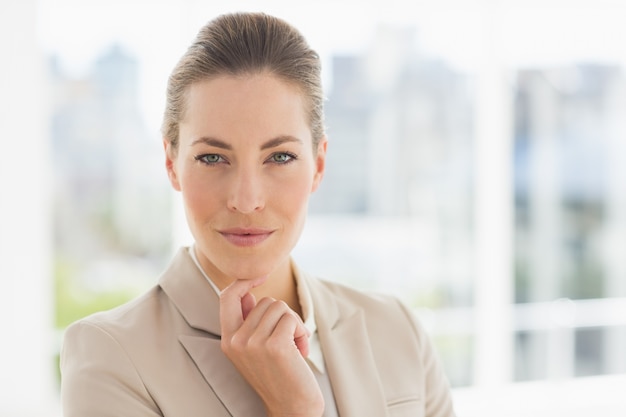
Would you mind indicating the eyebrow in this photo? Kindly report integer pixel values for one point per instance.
(212, 142)
(272, 143)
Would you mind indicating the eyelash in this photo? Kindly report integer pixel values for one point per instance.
(203, 158)
(291, 157)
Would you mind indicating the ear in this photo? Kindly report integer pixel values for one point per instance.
(320, 163)
(170, 164)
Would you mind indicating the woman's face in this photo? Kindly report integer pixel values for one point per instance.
(245, 166)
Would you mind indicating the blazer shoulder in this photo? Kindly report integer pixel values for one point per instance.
(128, 312)
(384, 314)
(370, 301)
(137, 323)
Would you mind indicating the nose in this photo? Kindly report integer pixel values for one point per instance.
(246, 192)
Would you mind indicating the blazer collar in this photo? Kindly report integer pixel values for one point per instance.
(342, 332)
(198, 303)
(191, 293)
(347, 351)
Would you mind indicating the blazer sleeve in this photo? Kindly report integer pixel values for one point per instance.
(438, 401)
(98, 379)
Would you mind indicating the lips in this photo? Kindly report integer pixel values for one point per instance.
(246, 237)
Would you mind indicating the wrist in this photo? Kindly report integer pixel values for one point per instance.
(312, 410)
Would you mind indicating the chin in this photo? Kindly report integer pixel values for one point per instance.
(249, 269)
(247, 264)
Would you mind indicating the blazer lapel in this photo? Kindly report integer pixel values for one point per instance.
(350, 363)
(225, 381)
(199, 305)
(342, 332)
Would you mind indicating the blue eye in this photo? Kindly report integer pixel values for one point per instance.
(282, 157)
(209, 158)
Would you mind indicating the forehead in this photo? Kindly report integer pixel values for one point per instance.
(247, 106)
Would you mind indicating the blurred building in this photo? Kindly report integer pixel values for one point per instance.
(111, 202)
(400, 127)
(400, 133)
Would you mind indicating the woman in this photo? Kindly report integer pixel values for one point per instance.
(233, 326)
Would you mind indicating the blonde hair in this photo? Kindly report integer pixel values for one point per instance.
(246, 43)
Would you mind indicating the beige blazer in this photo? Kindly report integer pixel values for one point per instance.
(160, 355)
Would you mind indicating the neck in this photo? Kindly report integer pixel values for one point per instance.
(281, 285)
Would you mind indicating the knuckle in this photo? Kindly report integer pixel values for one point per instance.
(278, 306)
(292, 320)
(254, 342)
(265, 301)
(234, 344)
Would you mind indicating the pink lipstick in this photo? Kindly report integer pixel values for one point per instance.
(246, 237)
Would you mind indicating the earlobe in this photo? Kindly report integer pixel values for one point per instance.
(320, 163)
(170, 164)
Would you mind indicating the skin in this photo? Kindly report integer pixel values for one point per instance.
(246, 167)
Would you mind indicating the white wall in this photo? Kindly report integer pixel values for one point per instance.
(27, 385)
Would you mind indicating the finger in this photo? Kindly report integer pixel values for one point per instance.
(292, 330)
(261, 321)
(262, 324)
(290, 322)
(231, 307)
(302, 341)
(248, 302)
(251, 322)
(301, 338)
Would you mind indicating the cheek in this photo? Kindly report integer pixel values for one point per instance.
(200, 196)
(293, 197)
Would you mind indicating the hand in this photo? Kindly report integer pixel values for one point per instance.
(267, 342)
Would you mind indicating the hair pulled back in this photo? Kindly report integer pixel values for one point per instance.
(241, 44)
